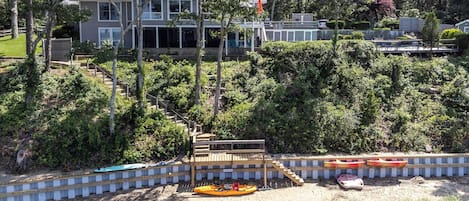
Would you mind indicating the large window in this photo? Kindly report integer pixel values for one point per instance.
(189, 37)
(107, 11)
(211, 38)
(109, 34)
(168, 37)
(152, 11)
(178, 6)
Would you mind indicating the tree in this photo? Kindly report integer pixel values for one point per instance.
(224, 12)
(124, 29)
(14, 18)
(431, 30)
(199, 52)
(339, 9)
(140, 65)
(51, 7)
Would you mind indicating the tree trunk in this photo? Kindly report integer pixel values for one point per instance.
(30, 63)
(273, 11)
(14, 18)
(113, 93)
(140, 66)
(219, 60)
(29, 27)
(199, 52)
(49, 26)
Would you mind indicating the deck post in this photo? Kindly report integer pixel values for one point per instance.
(193, 172)
(265, 170)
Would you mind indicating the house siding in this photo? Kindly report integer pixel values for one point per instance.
(89, 29)
(463, 25)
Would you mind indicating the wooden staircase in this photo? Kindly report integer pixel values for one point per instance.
(152, 102)
(287, 172)
(202, 150)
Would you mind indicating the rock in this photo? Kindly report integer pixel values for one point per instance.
(428, 148)
(417, 180)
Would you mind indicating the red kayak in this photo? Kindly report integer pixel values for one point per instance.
(345, 164)
(396, 163)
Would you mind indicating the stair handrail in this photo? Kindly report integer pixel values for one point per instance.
(158, 101)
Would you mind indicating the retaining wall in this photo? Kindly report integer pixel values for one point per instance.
(427, 165)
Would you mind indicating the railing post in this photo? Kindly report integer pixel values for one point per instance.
(127, 90)
(111, 78)
(157, 102)
(95, 70)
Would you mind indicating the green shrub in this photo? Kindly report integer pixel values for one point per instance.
(105, 53)
(382, 29)
(450, 33)
(344, 37)
(85, 47)
(331, 24)
(462, 41)
(358, 35)
(361, 25)
(388, 22)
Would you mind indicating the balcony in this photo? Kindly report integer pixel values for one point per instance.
(291, 24)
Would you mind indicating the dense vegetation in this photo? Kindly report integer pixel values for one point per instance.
(304, 98)
(301, 97)
(68, 124)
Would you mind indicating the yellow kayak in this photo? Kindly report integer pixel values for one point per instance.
(225, 190)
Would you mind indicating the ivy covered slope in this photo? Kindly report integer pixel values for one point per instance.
(69, 119)
(303, 98)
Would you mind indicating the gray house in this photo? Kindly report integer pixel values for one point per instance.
(161, 38)
(158, 35)
(463, 26)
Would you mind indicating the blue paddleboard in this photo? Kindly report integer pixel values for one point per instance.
(121, 167)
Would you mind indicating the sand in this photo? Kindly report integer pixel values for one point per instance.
(387, 189)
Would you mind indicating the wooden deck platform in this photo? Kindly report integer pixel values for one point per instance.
(229, 158)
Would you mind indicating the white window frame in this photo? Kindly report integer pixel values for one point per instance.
(112, 30)
(310, 34)
(172, 13)
(466, 29)
(293, 38)
(110, 4)
(150, 13)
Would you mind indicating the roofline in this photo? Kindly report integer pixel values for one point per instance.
(462, 22)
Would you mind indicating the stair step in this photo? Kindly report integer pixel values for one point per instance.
(202, 150)
(203, 139)
(201, 147)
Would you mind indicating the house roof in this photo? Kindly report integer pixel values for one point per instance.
(462, 22)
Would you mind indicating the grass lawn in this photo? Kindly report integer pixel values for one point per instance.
(15, 47)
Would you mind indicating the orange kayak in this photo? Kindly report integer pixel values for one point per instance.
(396, 163)
(347, 164)
(225, 190)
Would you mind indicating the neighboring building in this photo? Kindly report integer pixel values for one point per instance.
(300, 28)
(161, 38)
(413, 24)
(464, 26)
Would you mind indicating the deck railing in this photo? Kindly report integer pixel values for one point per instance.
(234, 146)
(291, 24)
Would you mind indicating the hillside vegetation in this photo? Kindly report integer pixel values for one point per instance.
(67, 125)
(304, 98)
